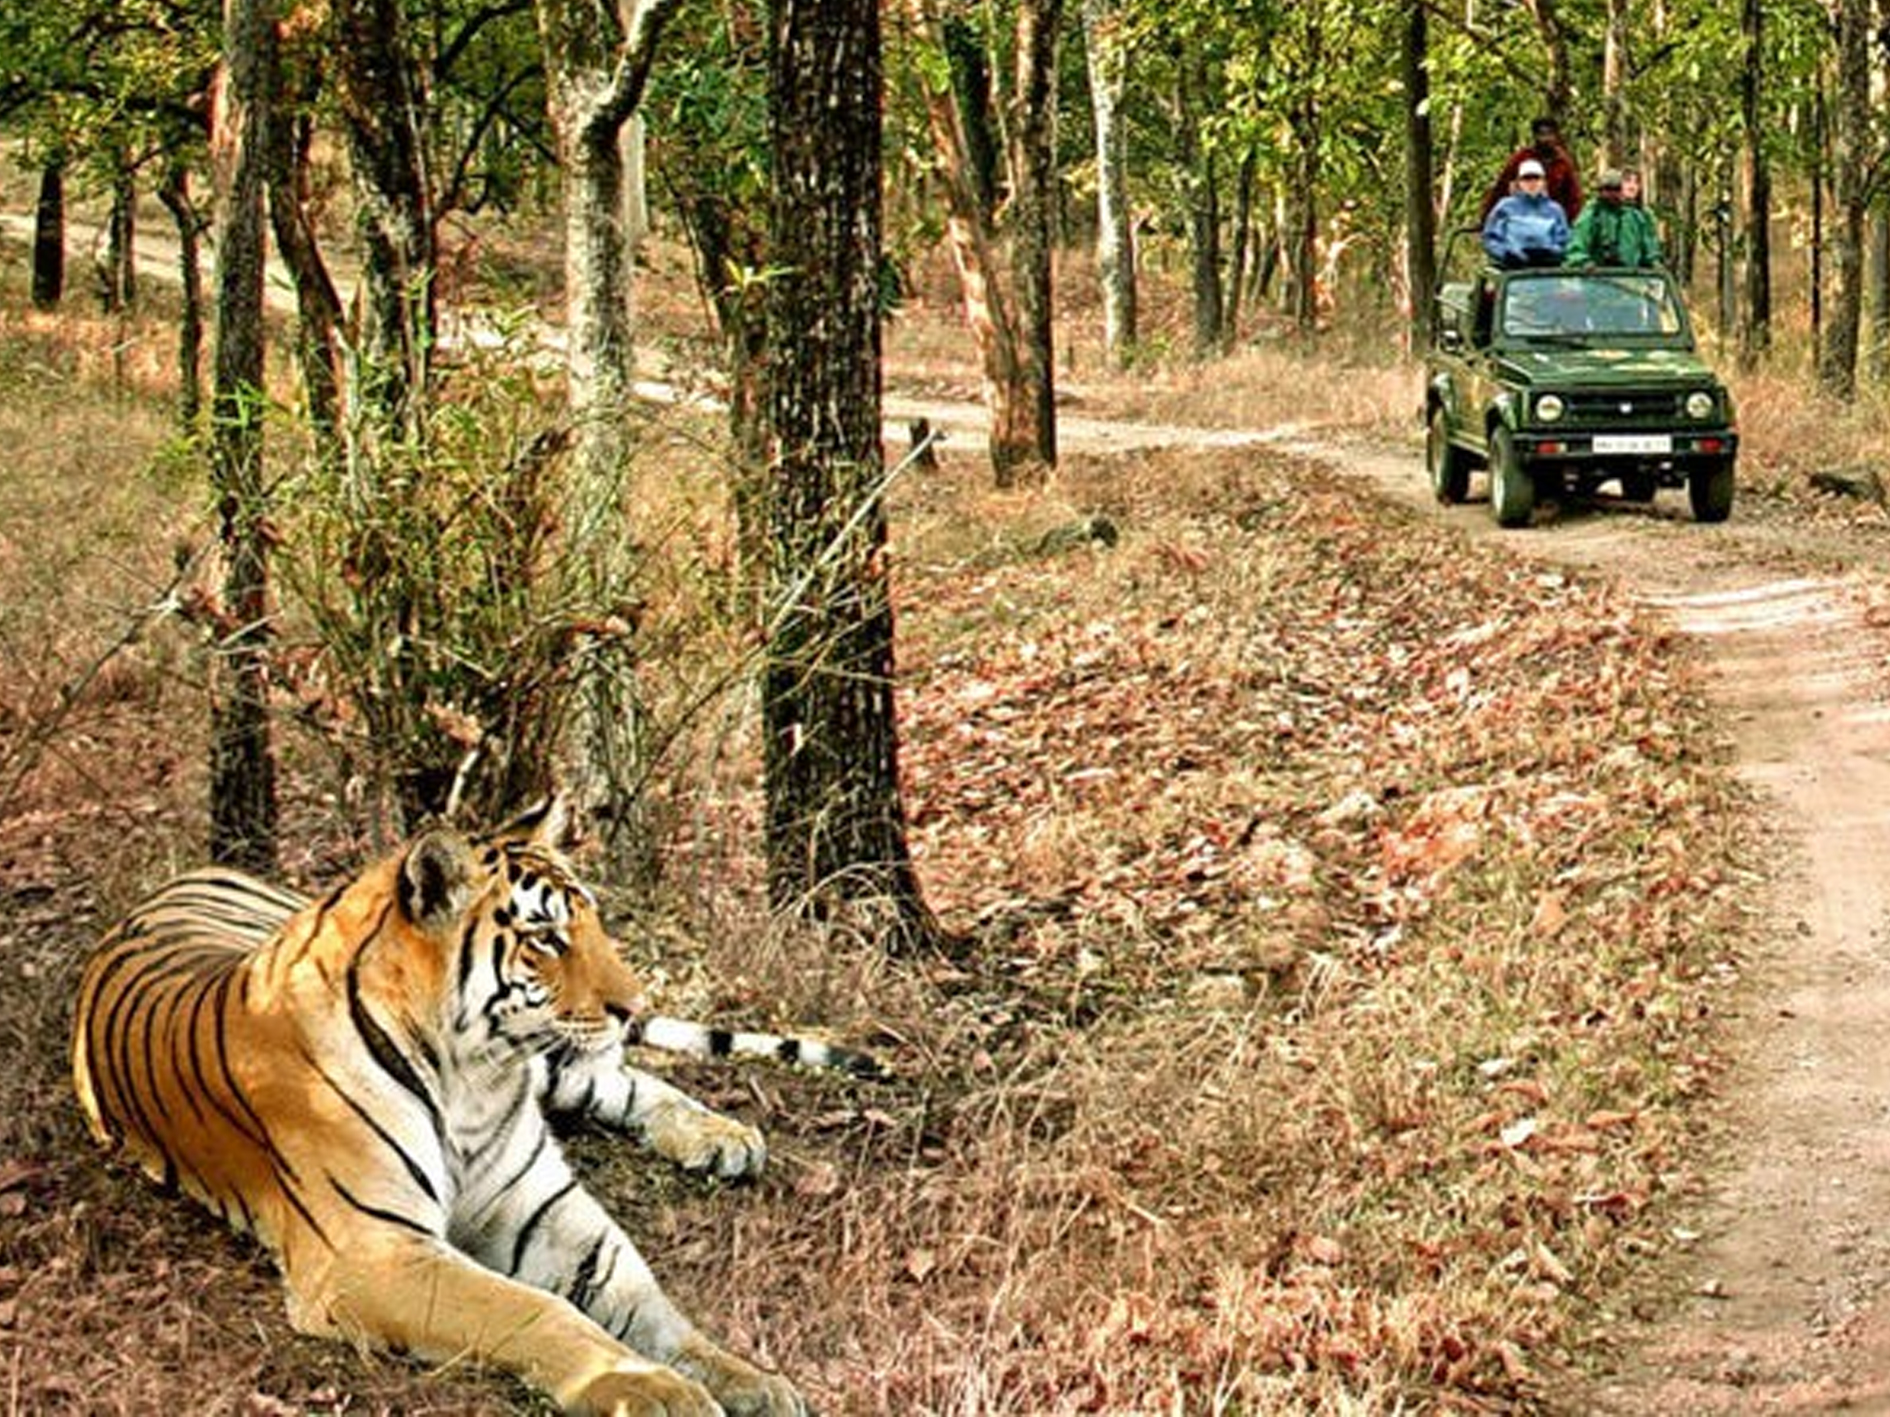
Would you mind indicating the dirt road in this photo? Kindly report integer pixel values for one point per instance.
(1772, 1300)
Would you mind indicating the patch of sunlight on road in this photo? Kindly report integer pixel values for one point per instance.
(1772, 605)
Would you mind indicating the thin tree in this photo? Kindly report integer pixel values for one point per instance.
(381, 102)
(49, 234)
(1755, 323)
(1837, 356)
(242, 766)
(1107, 52)
(990, 304)
(1420, 197)
(597, 62)
(836, 824)
(1033, 165)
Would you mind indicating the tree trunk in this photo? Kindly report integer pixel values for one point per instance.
(49, 235)
(1106, 50)
(1614, 70)
(1420, 203)
(1033, 217)
(1837, 357)
(1558, 89)
(382, 106)
(836, 827)
(1878, 359)
(242, 767)
(971, 92)
(175, 195)
(988, 308)
(318, 305)
(1240, 257)
(596, 71)
(594, 85)
(1755, 324)
(119, 278)
(1196, 162)
(728, 248)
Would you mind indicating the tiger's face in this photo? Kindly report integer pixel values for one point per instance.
(533, 967)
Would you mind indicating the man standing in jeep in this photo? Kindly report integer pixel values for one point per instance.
(1558, 170)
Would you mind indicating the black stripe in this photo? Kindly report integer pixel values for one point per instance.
(391, 1216)
(583, 1287)
(414, 1168)
(382, 1048)
(532, 1222)
(721, 1043)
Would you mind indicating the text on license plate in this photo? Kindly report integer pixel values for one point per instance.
(1633, 443)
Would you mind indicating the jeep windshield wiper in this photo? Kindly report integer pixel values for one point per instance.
(1554, 337)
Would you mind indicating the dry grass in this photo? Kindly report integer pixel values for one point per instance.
(1349, 913)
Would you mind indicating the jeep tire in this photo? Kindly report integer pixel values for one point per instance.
(1710, 490)
(1512, 488)
(1449, 466)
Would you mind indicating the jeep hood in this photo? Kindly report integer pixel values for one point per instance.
(1610, 367)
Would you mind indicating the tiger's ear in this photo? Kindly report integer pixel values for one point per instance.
(549, 822)
(435, 877)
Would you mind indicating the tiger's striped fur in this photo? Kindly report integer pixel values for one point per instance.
(363, 1082)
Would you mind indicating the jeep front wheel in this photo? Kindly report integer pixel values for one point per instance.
(1449, 466)
(1512, 489)
(1710, 490)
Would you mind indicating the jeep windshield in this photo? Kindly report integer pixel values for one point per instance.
(1580, 307)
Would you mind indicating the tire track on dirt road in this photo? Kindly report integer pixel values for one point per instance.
(1778, 1305)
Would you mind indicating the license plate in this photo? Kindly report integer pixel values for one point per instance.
(1633, 443)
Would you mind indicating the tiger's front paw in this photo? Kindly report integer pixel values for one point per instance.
(743, 1389)
(697, 1139)
(655, 1392)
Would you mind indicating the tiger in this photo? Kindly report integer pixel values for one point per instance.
(366, 1082)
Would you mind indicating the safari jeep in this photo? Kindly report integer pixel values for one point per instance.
(1560, 379)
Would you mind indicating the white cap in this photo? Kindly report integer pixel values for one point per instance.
(1530, 168)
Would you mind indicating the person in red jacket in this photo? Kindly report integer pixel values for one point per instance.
(1545, 146)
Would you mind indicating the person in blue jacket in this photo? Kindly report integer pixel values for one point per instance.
(1528, 227)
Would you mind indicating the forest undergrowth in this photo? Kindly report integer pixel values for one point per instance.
(1349, 913)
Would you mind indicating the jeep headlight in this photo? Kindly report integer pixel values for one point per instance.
(1550, 407)
(1700, 404)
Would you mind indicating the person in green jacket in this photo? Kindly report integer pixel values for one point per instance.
(1612, 231)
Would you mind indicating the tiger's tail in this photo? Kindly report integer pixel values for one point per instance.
(701, 1040)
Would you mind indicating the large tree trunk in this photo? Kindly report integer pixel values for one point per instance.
(1106, 50)
(1033, 165)
(49, 235)
(1755, 324)
(836, 828)
(1420, 201)
(242, 767)
(988, 308)
(1837, 357)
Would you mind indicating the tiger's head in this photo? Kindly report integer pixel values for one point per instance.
(530, 964)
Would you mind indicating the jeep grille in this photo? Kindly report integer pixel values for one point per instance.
(1624, 408)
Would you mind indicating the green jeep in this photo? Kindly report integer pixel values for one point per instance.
(1562, 378)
